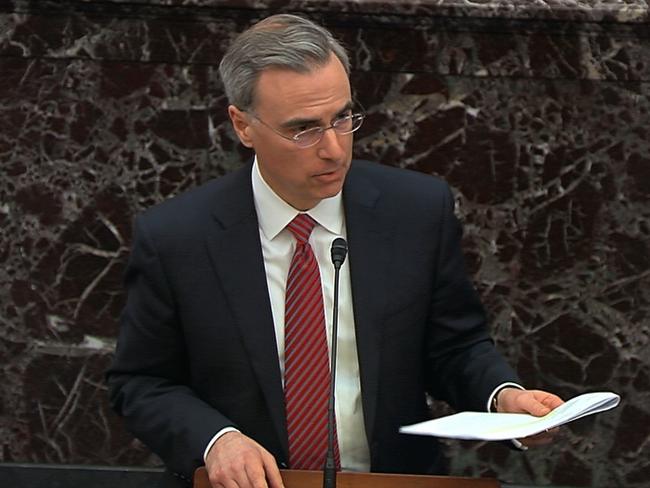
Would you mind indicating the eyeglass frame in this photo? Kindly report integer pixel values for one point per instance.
(320, 130)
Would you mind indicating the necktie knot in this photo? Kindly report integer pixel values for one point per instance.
(301, 227)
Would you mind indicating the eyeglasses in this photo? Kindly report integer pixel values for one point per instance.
(310, 137)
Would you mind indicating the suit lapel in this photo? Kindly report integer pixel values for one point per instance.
(235, 249)
(369, 251)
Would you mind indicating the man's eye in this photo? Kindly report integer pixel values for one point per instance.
(302, 128)
(342, 119)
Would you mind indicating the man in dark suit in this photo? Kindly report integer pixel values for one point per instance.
(201, 367)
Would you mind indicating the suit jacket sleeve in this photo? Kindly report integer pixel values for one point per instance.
(464, 365)
(149, 376)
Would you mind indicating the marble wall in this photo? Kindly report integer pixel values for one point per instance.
(537, 113)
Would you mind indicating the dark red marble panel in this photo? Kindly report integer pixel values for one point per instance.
(540, 127)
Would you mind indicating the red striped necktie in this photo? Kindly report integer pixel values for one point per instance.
(306, 369)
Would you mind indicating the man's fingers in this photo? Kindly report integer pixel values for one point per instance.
(227, 472)
(533, 402)
(227, 478)
(534, 406)
(552, 401)
(237, 461)
(538, 403)
(225, 483)
(256, 475)
(273, 477)
(527, 402)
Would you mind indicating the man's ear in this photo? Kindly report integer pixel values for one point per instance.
(241, 124)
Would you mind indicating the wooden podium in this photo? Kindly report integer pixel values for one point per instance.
(314, 479)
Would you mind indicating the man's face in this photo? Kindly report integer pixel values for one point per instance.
(290, 102)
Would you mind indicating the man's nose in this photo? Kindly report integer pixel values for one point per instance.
(330, 146)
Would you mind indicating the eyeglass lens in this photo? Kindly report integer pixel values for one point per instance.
(344, 125)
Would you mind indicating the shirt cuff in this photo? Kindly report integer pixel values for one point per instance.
(496, 391)
(518, 445)
(216, 437)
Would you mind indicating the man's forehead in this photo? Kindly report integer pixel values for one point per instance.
(280, 87)
(322, 118)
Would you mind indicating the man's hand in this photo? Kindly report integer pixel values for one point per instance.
(237, 461)
(533, 402)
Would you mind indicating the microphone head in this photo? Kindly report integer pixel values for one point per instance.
(339, 251)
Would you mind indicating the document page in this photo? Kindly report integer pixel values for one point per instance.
(505, 426)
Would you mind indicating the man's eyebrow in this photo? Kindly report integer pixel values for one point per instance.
(348, 106)
(298, 121)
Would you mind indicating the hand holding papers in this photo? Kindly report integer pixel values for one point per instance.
(505, 426)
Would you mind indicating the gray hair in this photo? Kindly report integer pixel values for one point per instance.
(281, 41)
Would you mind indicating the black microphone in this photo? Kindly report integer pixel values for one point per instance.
(339, 251)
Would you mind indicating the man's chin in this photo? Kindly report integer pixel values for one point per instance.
(332, 189)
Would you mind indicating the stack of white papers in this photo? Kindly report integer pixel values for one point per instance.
(504, 426)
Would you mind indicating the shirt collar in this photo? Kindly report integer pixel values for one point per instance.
(274, 214)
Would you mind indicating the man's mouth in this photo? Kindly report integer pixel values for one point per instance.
(329, 172)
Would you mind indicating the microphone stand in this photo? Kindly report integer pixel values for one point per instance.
(339, 250)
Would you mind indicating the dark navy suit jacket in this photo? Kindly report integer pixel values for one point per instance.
(197, 352)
